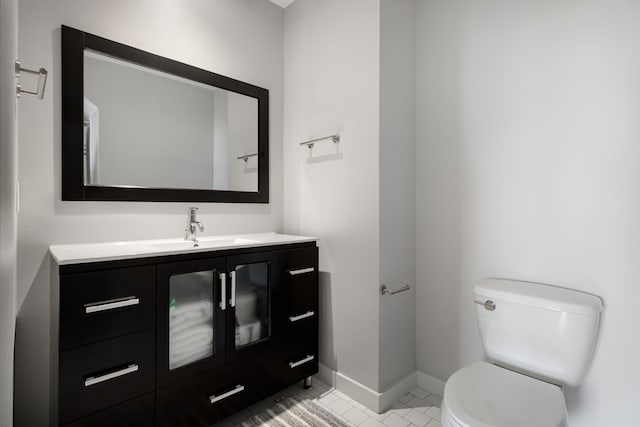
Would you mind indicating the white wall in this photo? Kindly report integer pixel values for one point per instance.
(528, 166)
(242, 39)
(332, 86)
(8, 215)
(397, 187)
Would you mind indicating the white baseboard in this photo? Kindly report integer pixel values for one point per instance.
(358, 392)
(326, 375)
(431, 384)
(374, 400)
(397, 390)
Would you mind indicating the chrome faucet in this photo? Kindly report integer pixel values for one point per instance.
(192, 223)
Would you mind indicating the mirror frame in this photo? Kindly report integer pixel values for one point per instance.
(74, 42)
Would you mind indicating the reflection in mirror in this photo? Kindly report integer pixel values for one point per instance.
(146, 128)
(141, 127)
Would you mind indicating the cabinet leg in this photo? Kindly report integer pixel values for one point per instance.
(306, 384)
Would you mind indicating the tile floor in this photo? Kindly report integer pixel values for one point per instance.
(418, 408)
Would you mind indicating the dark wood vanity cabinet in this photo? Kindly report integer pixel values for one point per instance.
(296, 307)
(183, 340)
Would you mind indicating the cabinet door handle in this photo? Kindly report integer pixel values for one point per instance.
(232, 301)
(89, 381)
(302, 316)
(95, 307)
(309, 358)
(237, 389)
(223, 291)
(301, 271)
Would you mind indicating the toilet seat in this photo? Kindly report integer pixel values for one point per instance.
(486, 395)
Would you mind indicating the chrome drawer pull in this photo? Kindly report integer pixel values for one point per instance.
(95, 307)
(111, 375)
(309, 358)
(302, 316)
(237, 389)
(301, 271)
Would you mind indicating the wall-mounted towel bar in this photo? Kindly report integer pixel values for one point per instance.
(324, 155)
(42, 81)
(246, 156)
(334, 138)
(247, 169)
(386, 291)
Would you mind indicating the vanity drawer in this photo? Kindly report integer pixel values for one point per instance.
(296, 356)
(299, 268)
(138, 412)
(208, 398)
(291, 312)
(300, 337)
(103, 374)
(298, 366)
(100, 305)
(302, 299)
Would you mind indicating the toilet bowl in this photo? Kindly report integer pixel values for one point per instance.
(538, 338)
(483, 394)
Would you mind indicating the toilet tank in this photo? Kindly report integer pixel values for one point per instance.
(539, 330)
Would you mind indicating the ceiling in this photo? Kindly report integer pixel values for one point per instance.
(282, 3)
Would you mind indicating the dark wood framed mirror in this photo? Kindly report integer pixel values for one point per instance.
(141, 127)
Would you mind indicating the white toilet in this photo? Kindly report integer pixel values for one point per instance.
(538, 338)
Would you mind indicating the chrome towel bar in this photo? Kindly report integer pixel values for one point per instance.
(386, 291)
(42, 81)
(246, 156)
(334, 138)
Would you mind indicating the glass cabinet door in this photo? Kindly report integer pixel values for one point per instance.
(191, 322)
(251, 303)
(251, 279)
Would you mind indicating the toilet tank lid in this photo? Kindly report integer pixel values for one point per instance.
(539, 295)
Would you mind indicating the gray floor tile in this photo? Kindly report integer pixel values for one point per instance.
(417, 418)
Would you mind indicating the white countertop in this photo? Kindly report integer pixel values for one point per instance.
(109, 251)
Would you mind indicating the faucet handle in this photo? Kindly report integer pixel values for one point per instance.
(192, 212)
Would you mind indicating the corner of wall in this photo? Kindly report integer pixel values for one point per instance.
(8, 214)
(378, 402)
(431, 384)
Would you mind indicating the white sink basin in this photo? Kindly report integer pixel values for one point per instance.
(203, 243)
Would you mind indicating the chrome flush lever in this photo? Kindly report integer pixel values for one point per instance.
(488, 305)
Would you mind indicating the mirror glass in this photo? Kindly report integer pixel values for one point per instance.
(147, 128)
(142, 127)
